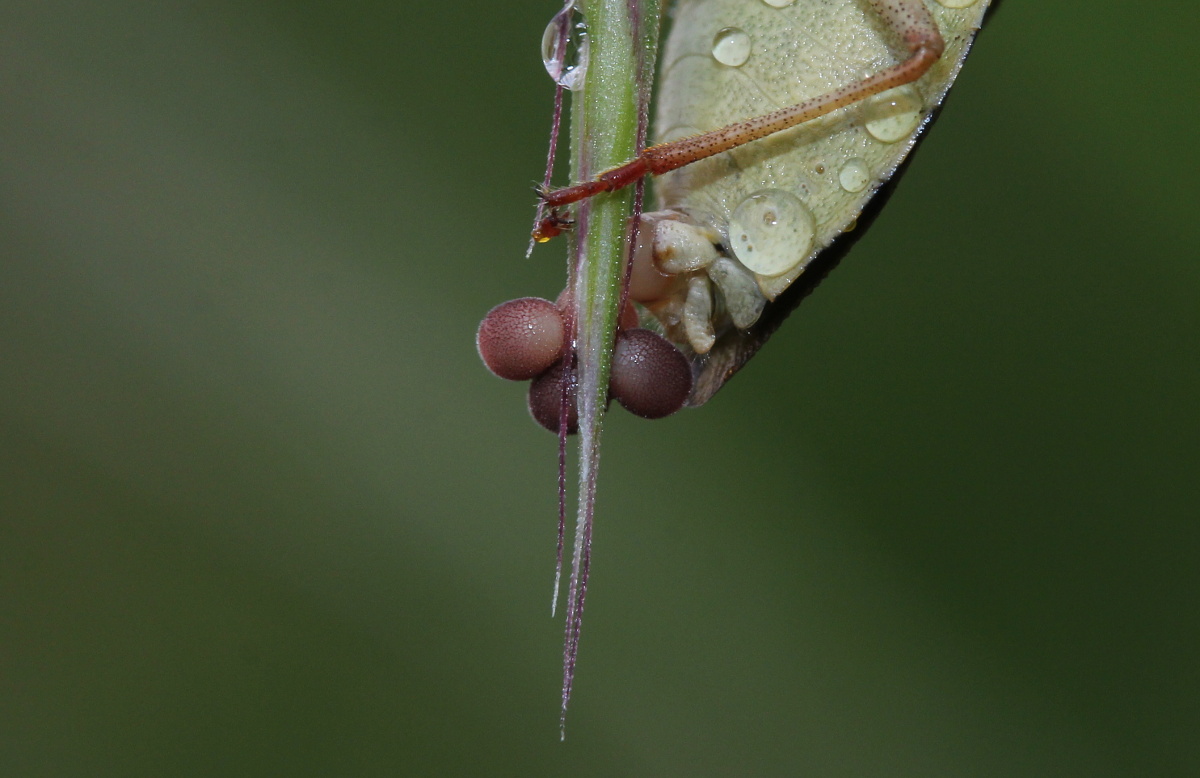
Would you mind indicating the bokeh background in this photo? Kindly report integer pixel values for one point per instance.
(262, 511)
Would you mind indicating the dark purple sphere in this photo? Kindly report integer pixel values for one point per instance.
(545, 399)
(650, 377)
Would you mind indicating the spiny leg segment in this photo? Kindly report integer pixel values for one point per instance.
(911, 21)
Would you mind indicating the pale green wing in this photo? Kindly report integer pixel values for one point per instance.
(779, 202)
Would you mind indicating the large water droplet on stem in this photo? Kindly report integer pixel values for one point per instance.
(566, 61)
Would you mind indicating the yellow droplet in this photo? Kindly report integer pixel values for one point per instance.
(957, 3)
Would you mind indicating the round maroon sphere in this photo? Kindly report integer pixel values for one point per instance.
(545, 399)
(521, 338)
(650, 377)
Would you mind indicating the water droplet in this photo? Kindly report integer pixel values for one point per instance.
(894, 114)
(731, 47)
(854, 175)
(771, 232)
(569, 69)
(786, 3)
(957, 3)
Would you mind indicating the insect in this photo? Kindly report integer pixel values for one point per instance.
(778, 122)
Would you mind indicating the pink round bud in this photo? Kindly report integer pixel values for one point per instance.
(521, 338)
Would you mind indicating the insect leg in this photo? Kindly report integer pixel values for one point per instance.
(909, 19)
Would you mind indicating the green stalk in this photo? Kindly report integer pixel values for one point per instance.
(608, 125)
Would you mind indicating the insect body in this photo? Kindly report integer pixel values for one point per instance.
(738, 228)
(777, 122)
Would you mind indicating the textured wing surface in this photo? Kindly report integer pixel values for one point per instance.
(728, 60)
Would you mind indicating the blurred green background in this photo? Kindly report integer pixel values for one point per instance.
(262, 511)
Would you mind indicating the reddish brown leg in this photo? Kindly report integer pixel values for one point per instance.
(910, 19)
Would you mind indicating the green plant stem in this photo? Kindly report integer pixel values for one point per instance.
(607, 129)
